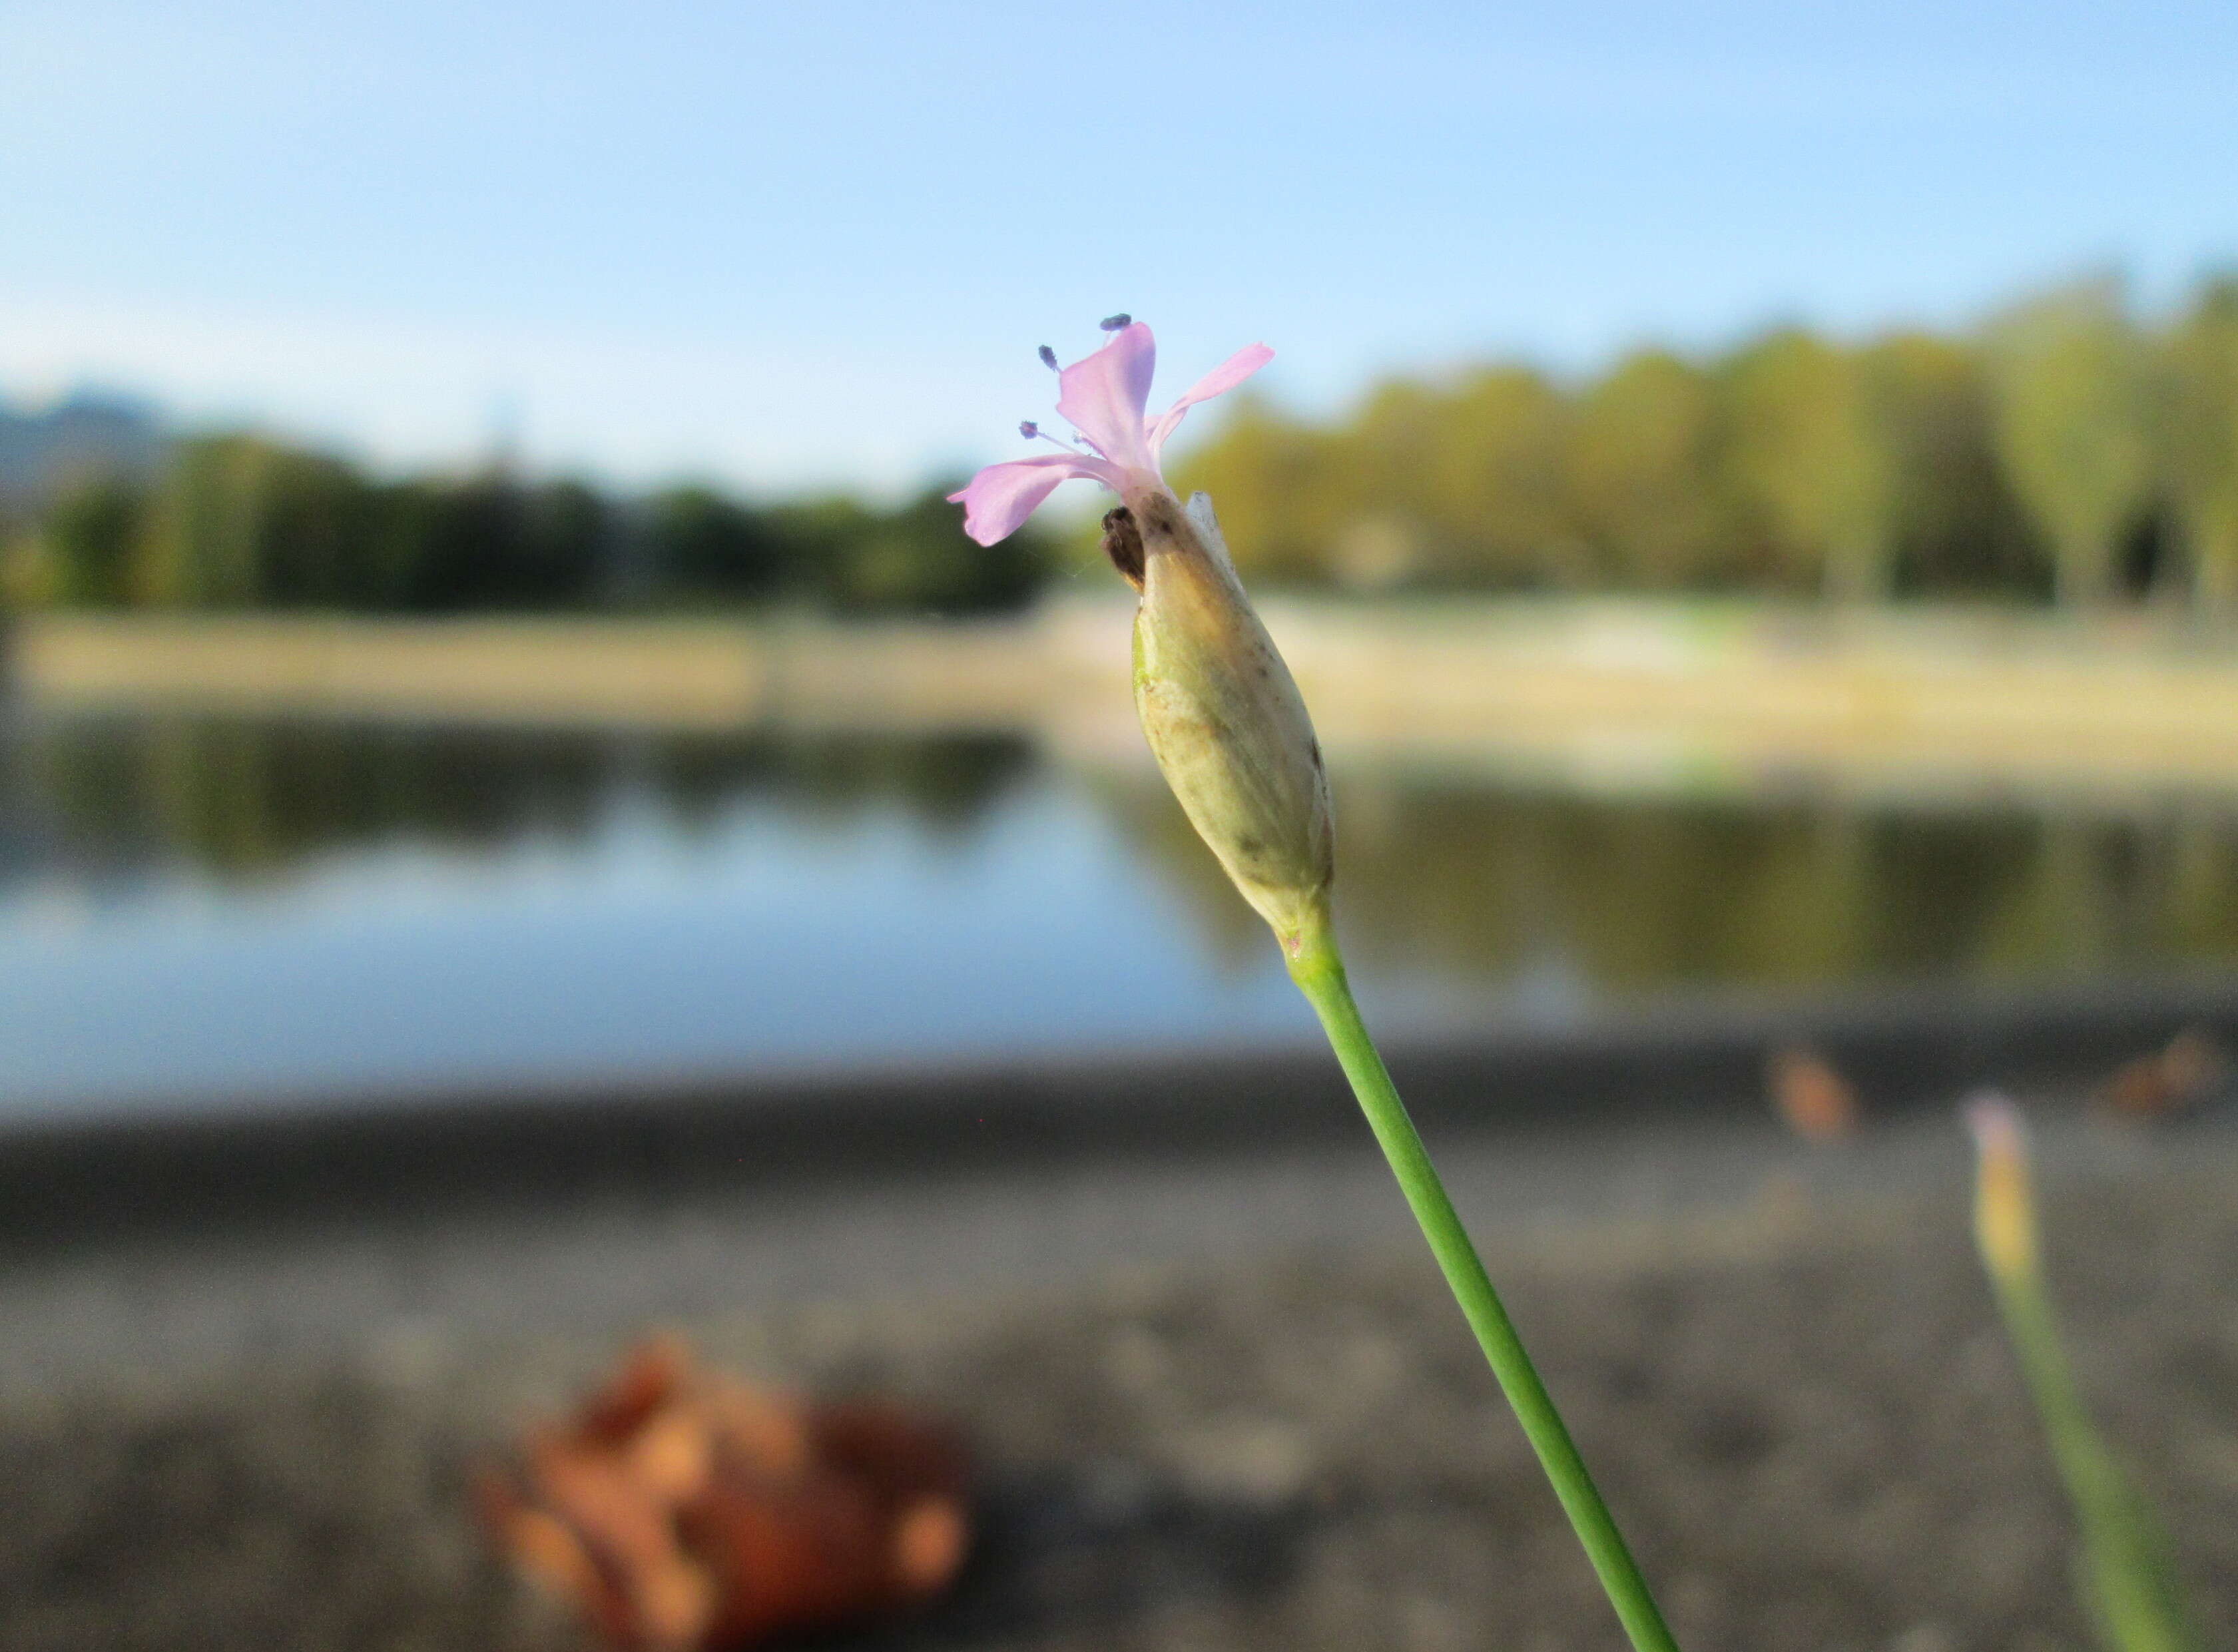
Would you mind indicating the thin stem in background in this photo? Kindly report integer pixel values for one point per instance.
(2126, 1577)
(2128, 1582)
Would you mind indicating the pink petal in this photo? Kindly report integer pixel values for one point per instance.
(1103, 395)
(999, 498)
(1228, 374)
(1996, 1122)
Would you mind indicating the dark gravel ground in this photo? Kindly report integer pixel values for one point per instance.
(1217, 1405)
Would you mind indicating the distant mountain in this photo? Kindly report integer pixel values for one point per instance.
(87, 433)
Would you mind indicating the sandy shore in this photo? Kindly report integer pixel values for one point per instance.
(1625, 694)
(1220, 1399)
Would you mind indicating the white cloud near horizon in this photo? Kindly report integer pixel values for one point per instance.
(416, 393)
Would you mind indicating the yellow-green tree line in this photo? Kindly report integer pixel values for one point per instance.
(2063, 449)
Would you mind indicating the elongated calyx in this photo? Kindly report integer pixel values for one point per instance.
(1223, 717)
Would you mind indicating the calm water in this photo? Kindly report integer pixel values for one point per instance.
(198, 912)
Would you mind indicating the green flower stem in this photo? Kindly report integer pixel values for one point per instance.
(1319, 972)
(2128, 1582)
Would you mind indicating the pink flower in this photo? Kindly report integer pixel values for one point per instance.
(1995, 1123)
(1103, 397)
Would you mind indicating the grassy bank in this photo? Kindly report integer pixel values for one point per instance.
(1617, 693)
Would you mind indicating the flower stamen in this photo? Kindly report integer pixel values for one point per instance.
(1114, 443)
(1033, 431)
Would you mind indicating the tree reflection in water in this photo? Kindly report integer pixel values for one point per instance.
(247, 799)
(1485, 881)
(1454, 876)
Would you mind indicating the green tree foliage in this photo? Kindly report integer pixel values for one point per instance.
(1278, 484)
(206, 521)
(1810, 462)
(854, 559)
(2037, 458)
(1642, 477)
(489, 543)
(2073, 419)
(700, 544)
(1495, 456)
(92, 532)
(240, 521)
(2202, 444)
(1455, 486)
(1957, 528)
(1389, 529)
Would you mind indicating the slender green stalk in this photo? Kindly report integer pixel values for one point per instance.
(1319, 972)
(2127, 1579)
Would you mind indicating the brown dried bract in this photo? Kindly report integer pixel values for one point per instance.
(2188, 1070)
(1816, 1102)
(1123, 543)
(682, 1510)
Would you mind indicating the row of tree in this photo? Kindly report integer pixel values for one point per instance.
(240, 521)
(2064, 449)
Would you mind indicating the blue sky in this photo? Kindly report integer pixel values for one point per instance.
(810, 244)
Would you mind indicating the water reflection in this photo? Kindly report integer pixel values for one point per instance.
(519, 904)
(1445, 874)
(1791, 893)
(114, 799)
(1467, 878)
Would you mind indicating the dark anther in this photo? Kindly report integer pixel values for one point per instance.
(1113, 323)
(1048, 357)
(1123, 543)
(1028, 429)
